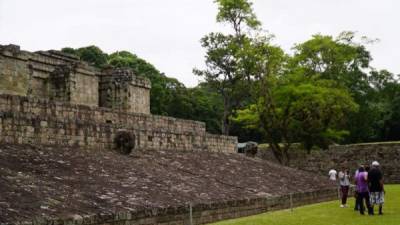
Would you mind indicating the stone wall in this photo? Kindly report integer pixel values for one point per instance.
(26, 120)
(219, 143)
(199, 213)
(62, 77)
(121, 89)
(351, 156)
(14, 74)
(47, 74)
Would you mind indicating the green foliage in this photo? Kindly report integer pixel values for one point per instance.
(341, 59)
(163, 89)
(347, 62)
(91, 54)
(140, 66)
(69, 50)
(225, 54)
(168, 96)
(236, 12)
(205, 106)
(384, 102)
(311, 113)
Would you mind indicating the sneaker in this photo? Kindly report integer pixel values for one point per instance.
(342, 206)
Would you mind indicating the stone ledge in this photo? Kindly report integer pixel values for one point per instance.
(202, 213)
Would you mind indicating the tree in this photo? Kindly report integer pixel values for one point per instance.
(311, 112)
(91, 54)
(165, 92)
(347, 62)
(237, 13)
(296, 101)
(384, 102)
(168, 96)
(224, 54)
(341, 59)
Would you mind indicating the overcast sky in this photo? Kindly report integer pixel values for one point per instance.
(167, 32)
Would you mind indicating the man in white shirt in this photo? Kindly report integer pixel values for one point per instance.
(332, 174)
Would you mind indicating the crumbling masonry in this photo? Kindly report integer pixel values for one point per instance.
(53, 98)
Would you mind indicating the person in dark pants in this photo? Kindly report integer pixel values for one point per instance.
(375, 183)
(356, 205)
(363, 192)
(344, 181)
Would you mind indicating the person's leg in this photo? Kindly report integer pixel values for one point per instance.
(361, 202)
(381, 201)
(357, 203)
(369, 206)
(342, 192)
(345, 194)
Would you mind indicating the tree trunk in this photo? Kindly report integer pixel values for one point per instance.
(281, 153)
(225, 118)
(276, 151)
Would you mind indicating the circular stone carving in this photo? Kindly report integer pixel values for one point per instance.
(124, 142)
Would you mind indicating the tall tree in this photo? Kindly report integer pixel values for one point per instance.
(342, 59)
(347, 62)
(224, 55)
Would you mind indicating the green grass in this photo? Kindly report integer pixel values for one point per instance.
(328, 213)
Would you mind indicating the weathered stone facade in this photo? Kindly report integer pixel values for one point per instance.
(26, 120)
(54, 185)
(47, 74)
(120, 89)
(62, 77)
(63, 101)
(351, 156)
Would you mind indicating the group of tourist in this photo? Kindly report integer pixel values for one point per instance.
(369, 189)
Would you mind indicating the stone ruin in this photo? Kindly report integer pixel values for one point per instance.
(63, 77)
(53, 98)
(59, 119)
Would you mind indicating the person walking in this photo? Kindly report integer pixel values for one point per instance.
(344, 181)
(375, 183)
(332, 174)
(363, 192)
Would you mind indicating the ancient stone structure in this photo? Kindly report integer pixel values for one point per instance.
(25, 120)
(59, 120)
(51, 74)
(64, 78)
(351, 156)
(121, 89)
(51, 98)
(64, 186)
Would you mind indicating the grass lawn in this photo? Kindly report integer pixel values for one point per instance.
(328, 213)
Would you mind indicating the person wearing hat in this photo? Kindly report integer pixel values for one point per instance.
(375, 183)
